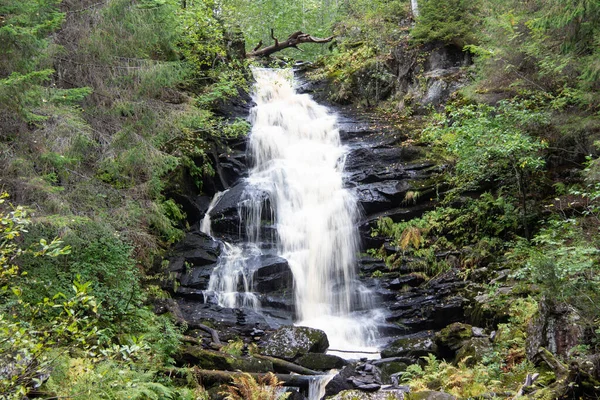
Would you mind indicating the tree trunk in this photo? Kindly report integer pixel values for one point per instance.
(292, 41)
(415, 8)
(209, 377)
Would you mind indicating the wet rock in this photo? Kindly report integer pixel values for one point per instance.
(196, 249)
(363, 375)
(473, 350)
(225, 320)
(197, 277)
(450, 339)
(406, 280)
(558, 327)
(272, 274)
(209, 359)
(291, 342)
(389, 394)
(429, 395)
(227, 216)
(414, 347)
(392, 366)
(319, 361)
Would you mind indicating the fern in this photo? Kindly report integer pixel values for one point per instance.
(245, 387)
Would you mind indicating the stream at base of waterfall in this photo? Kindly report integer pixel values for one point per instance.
(297, 160)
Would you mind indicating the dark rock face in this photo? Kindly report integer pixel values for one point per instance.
(196, 249)
(228, 215)
(429, 395)
(291, 342)
(359, 375)
(387, 394)
(557, 327)
(411, 347)
(318, 361)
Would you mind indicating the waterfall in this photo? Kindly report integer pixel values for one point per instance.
(297, 161)
(205, 225)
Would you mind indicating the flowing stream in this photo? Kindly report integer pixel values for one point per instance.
(297, 160)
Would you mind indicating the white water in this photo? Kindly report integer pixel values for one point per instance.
(298, 159)
(316, 386)
(205, 225)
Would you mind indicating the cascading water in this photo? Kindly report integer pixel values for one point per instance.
(298, 162)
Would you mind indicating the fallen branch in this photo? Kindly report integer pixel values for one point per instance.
(211, 377)
(288, 366)
(292, 41)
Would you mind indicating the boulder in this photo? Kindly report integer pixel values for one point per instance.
(473, 350)
(389, 394)
(429, 395)
(291, 342)
(322, 362)
(209, 359)
(227, 216)
(271, 274)
(196, 249)
(558, 327)
(391, 366)
(450, 339)
(413, 347)
(359, 375)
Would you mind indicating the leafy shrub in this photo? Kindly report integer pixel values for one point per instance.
(99, 255)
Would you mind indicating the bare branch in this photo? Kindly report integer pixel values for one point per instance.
(293, 41)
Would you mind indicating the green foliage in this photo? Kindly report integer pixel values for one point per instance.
(477, 228)
(502, 368)
(490, 143)
(256, 18)
(245, 387)
(24, 28)
(99, 255)
(453, 21)
(366, 32)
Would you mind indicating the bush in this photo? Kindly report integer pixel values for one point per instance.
(99, 255)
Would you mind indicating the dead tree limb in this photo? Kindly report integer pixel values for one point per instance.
(209, 377)
(292, 41)
(288, 366)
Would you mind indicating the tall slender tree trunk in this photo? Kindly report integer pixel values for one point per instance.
(415, 8)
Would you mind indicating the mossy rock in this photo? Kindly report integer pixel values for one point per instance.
(319, 361)
(209, 359)
(394, 394)
(453, 337)
(472, 350)
(391, 367)
(410, 347)
(291, 342)
(429, 395)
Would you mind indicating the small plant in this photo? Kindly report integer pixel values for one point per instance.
(245, 387)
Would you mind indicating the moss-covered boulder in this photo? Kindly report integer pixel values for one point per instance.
(319, 361)
(472, 350)
(291, 342)
(429, 395)
(209, 359)
(450, 339)
(391, 366)
(413, 347)
(393, 394)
